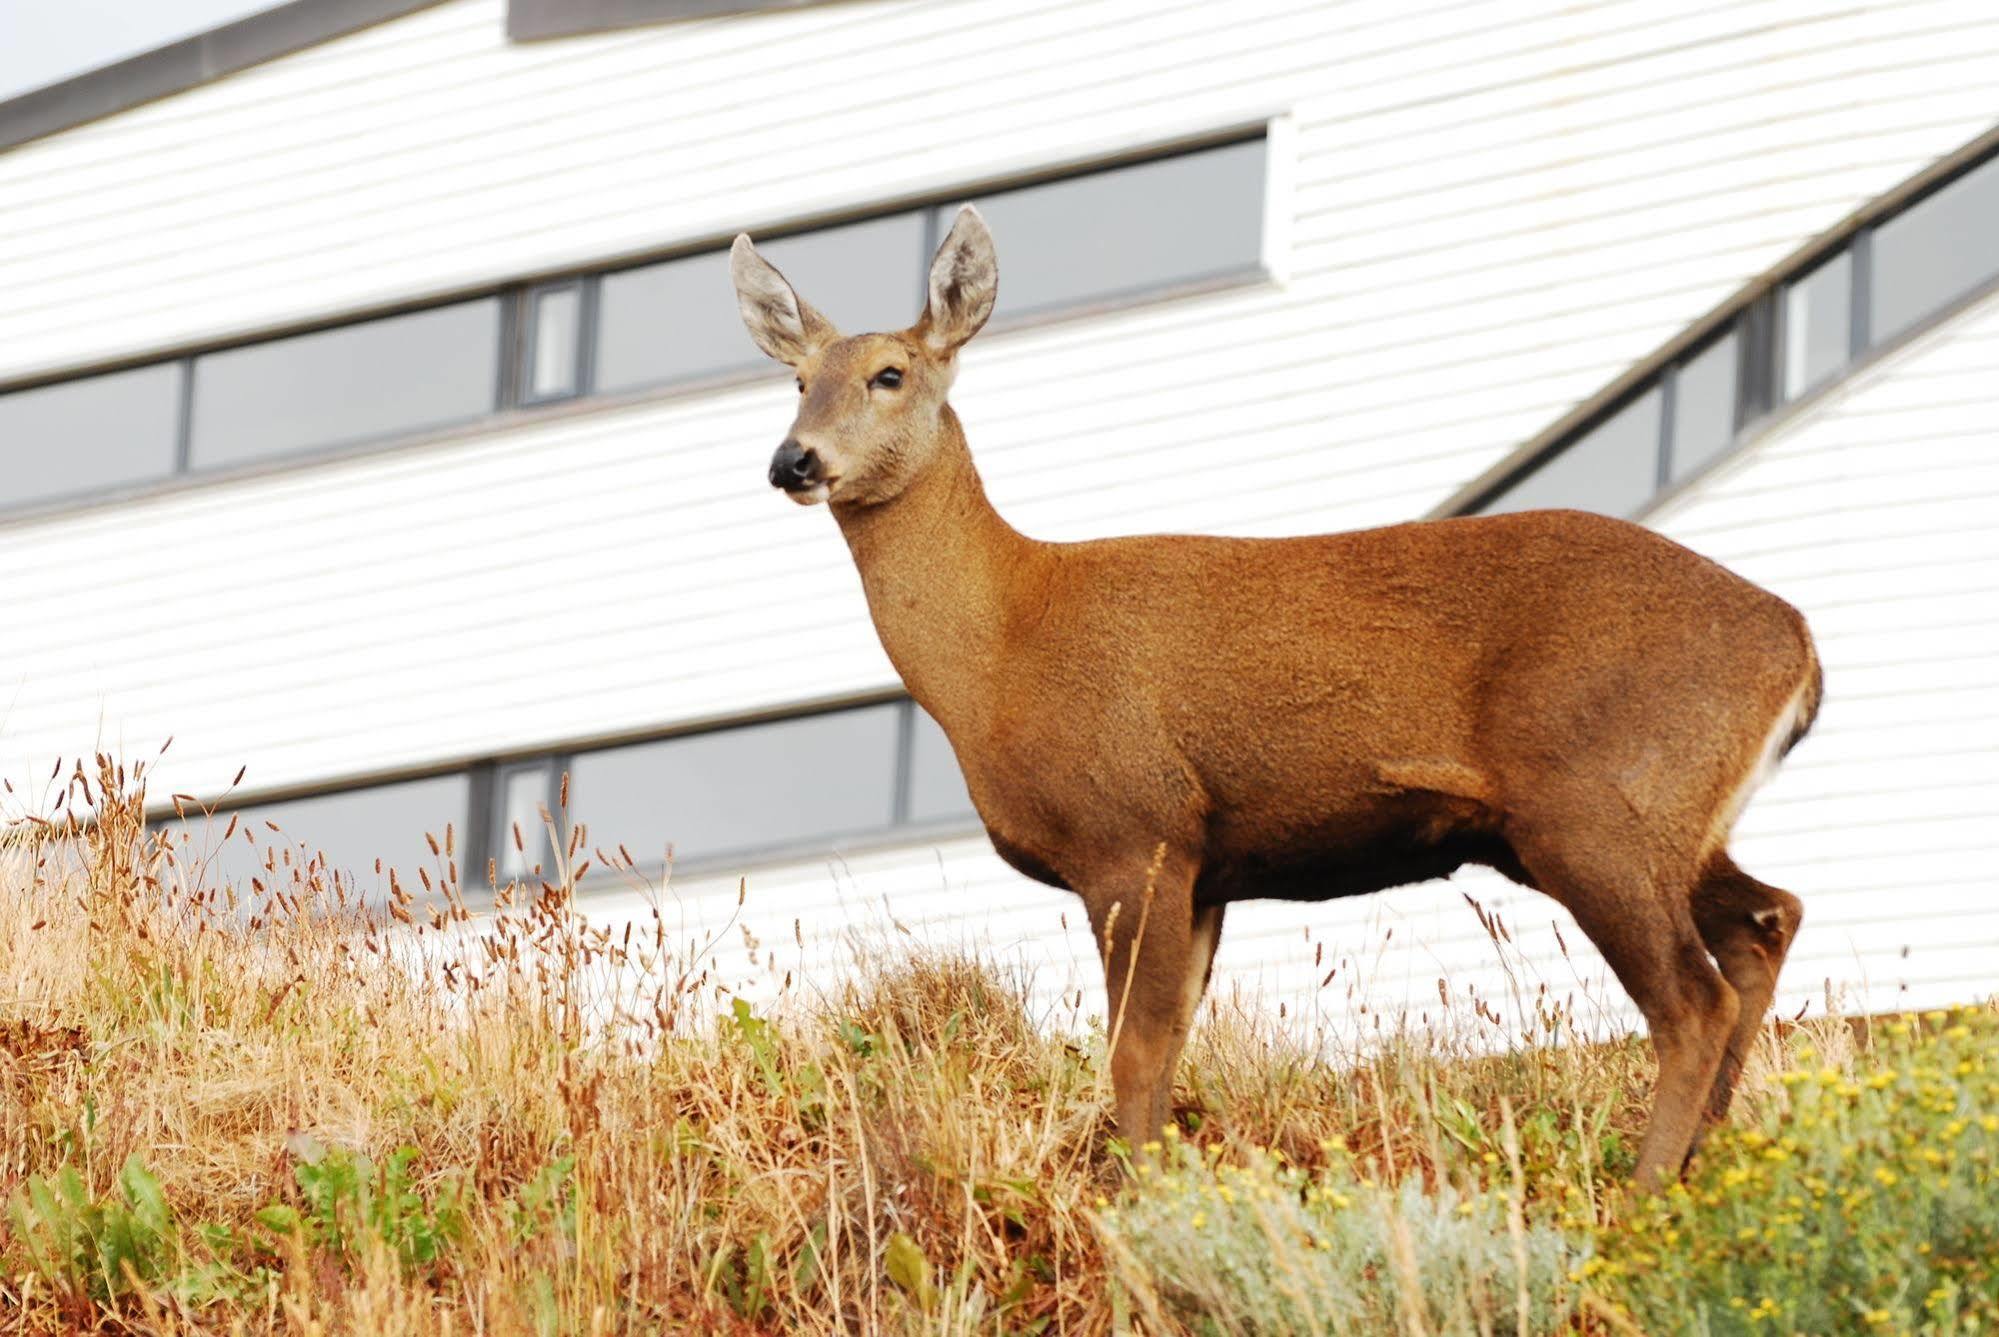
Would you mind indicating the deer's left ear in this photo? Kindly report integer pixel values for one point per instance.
(964, 284)
(783, 324)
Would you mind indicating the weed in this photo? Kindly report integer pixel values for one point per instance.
(347, 1204)
(281, 1108)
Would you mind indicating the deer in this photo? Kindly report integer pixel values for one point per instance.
(1165, 725)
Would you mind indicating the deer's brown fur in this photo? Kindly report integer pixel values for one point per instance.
(1165, 725)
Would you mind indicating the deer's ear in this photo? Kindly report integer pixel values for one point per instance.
(964, 282)
(783, 324)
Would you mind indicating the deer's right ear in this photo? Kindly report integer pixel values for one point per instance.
(783, 324)
(964, 283)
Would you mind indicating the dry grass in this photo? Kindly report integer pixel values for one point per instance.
(267, 1109)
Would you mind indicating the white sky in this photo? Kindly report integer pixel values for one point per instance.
(45, 41)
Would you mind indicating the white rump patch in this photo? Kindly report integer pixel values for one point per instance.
(1767, 761)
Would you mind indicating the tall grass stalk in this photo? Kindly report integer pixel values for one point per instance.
(280, 1105)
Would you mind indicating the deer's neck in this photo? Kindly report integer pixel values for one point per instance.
(942, 572)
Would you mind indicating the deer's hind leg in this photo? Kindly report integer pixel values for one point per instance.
(1748, 926)
(1641, 920)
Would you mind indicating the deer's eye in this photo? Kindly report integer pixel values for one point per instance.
(801, 384)
(888, 378)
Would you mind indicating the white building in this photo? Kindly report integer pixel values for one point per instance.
(375, 418)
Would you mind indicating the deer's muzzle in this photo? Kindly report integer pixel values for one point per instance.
(796, 469)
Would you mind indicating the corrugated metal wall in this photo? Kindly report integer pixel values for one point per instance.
(1872, 512)
(1480, 215)
(1483, 220)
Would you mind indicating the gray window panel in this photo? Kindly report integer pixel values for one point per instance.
(936, 786)
(734, 790)
(678, 321)
(1128, 230)
(353, 829)
(669, 322)
(79, 436)
(1818, 324)
(528, 20)
(555, 325)
(353, 383)
(1939, 249)
(1614, 470)
(521, 796)
(1704, 407)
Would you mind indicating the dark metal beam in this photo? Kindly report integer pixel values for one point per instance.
(189, 63)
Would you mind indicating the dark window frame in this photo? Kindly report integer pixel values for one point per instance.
(189, 63)
(487, 833)
(1742, 404)
(513, 296)
(258, 461)
(886, 731)
(1755, 315)
(159, 429)
(540, 20)
(203, 825)
(1781, 295)
(527, 344)
(548, 769)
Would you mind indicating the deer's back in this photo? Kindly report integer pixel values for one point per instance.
(1301, 697)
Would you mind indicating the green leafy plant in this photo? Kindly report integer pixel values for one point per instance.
(348, 1203)
(545, 1203)
(99, 1247)
(805, 1085)
(747, 1277)
(1870, 1203)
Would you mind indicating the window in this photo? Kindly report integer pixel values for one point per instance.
(936, 786)
(99, 432)
(1942, 247)
(1899, 263)
(1818, 324)
(528, 20)
(1614, 469)
(780, 788)
(554, 344)
(351, 383)
(1130, 230)
(522, 795)
(1094, 238)
(863, 277)
(670, 322)
(352, 828)
(761, 786)
(1703, 408)
(678, 321)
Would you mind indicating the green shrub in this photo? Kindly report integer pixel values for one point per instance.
(1862, 1204)
(1266, 1247)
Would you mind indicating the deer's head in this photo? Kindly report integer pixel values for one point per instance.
(869, 405)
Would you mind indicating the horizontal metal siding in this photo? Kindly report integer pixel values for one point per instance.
(1872, 513)
(1488, 214)
(1886, 820)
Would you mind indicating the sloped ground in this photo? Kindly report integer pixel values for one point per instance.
(266, 1109)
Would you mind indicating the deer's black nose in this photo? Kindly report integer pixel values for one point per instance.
(794, 468)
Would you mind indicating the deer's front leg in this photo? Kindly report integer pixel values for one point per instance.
(1157, 950)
